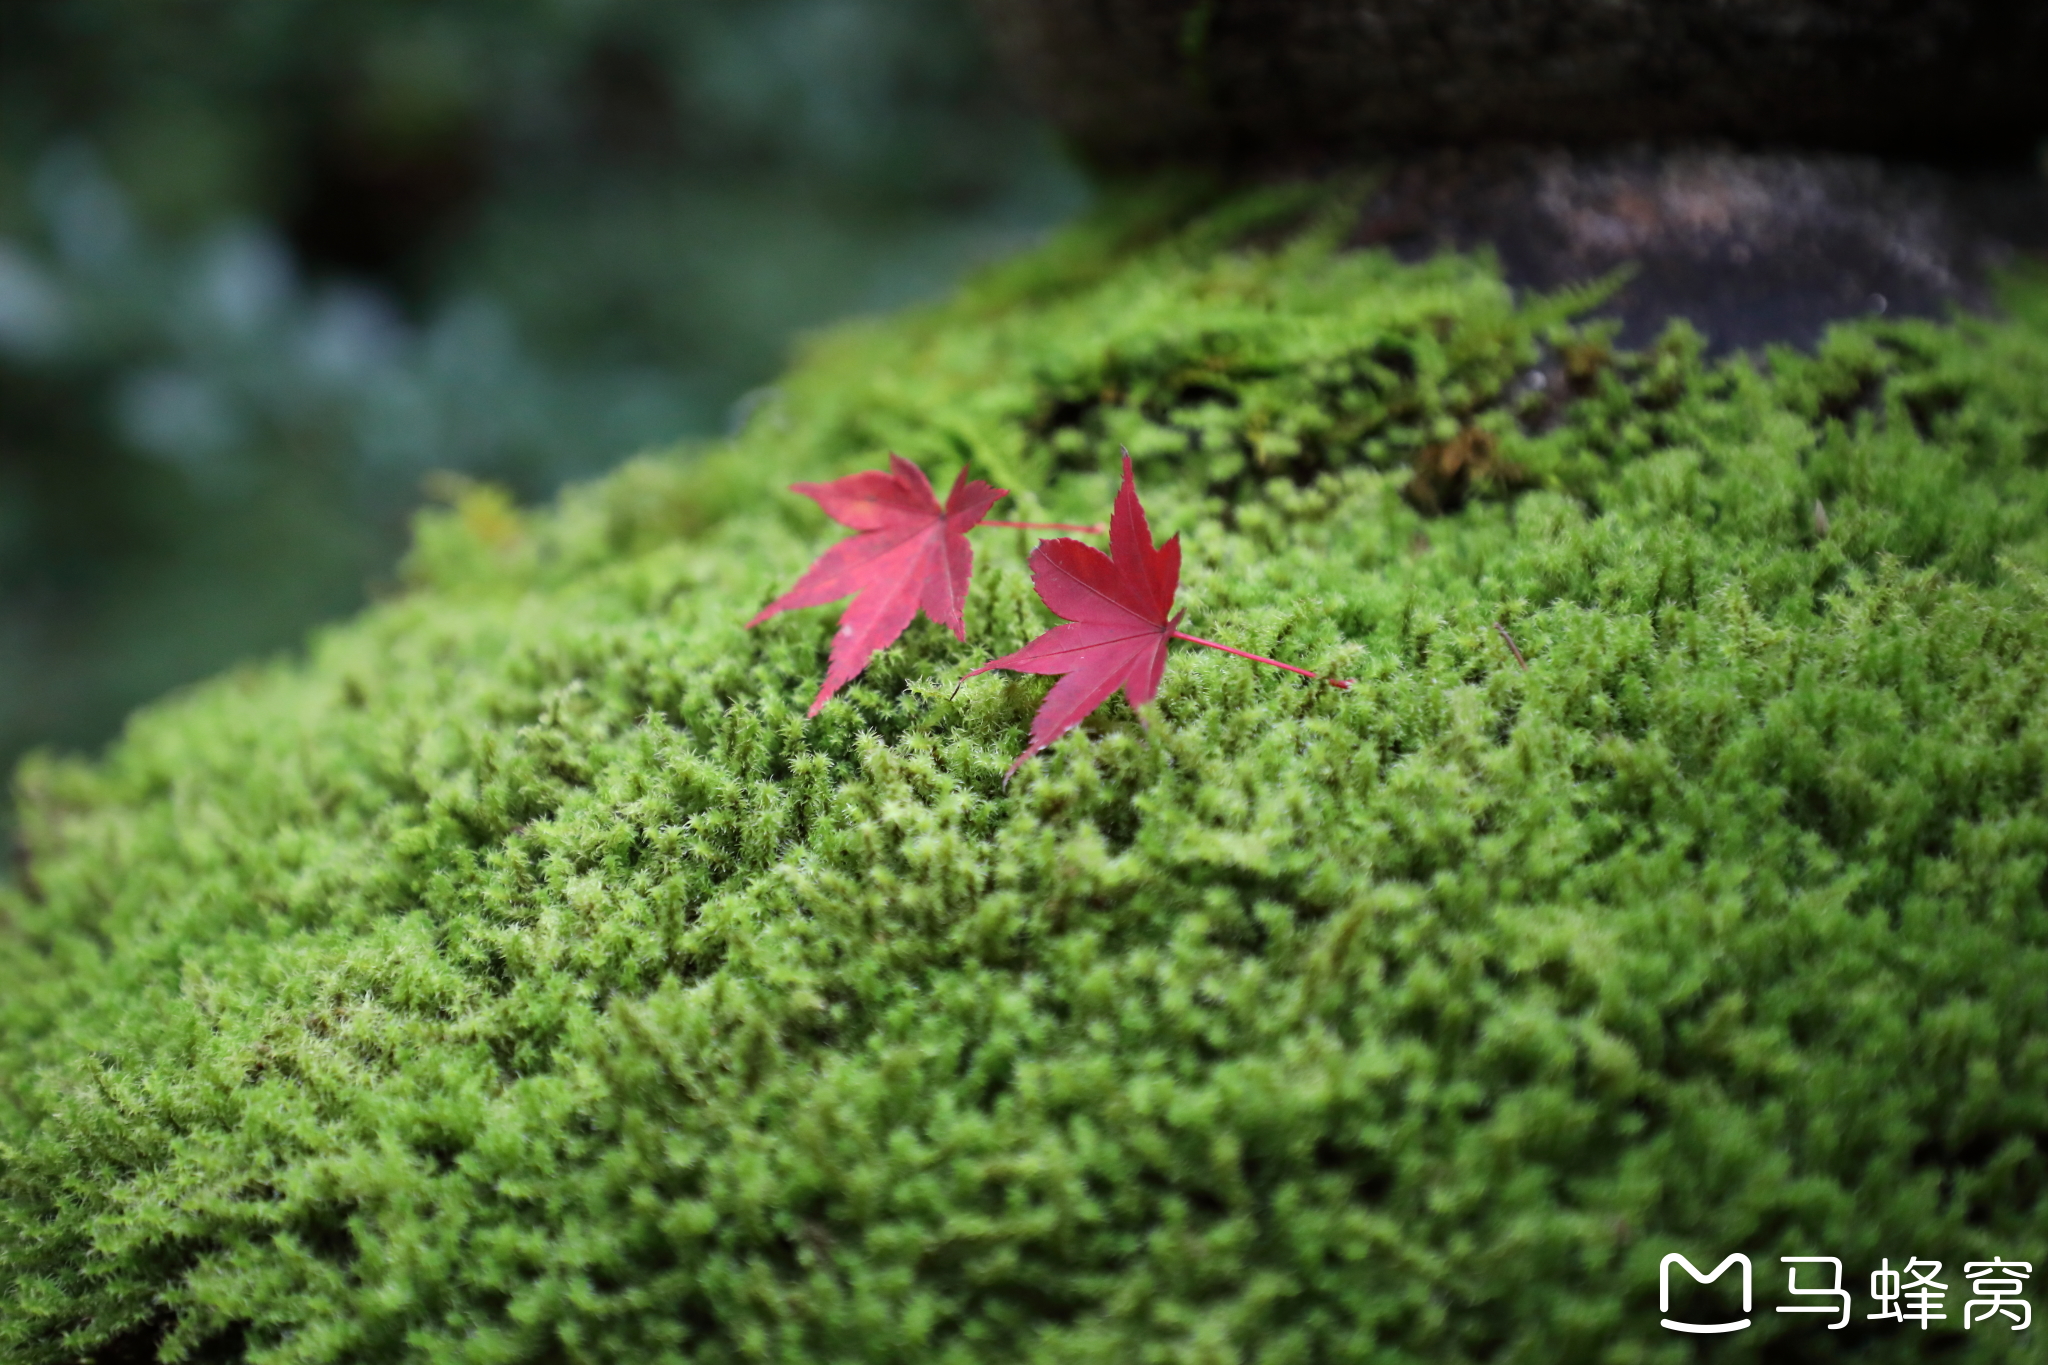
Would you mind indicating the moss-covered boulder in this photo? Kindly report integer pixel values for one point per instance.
(521, 977)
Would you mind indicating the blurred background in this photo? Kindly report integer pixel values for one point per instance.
(267, 265)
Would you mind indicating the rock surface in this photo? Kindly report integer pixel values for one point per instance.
(1750, 248)
(1134, 82)
(1763, 169)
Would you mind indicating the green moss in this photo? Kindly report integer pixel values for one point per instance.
(521, 977)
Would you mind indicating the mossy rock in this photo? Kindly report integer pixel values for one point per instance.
(521, 977)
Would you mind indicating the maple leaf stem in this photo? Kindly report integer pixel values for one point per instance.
(1261, 659)
(1046, 526)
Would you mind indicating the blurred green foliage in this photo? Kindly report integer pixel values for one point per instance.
(263, 266)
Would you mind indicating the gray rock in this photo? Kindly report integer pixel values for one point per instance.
(1752, 248)
(1751, 160)
(1137, 82)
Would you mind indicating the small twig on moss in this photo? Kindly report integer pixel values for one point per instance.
(1513, 649)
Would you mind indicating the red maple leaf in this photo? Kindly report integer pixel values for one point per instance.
(1116, 607)
(911, 553)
